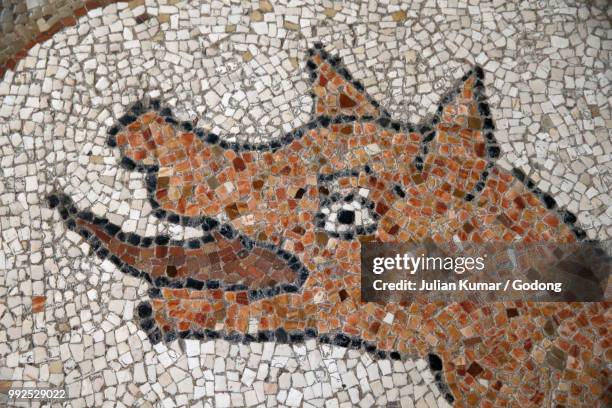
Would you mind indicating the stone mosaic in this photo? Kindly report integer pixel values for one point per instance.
(185, 188)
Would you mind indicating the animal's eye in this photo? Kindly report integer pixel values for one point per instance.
(347, 213)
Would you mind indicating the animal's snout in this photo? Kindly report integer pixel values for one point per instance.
(133, 114)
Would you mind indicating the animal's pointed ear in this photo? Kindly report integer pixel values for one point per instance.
(465, 112)
(335, 91)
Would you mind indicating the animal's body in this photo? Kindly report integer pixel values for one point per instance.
(284, 222)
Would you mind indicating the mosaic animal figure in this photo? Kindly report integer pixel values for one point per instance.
(283, 223)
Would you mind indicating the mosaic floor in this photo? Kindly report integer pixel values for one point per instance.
(185, 187)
